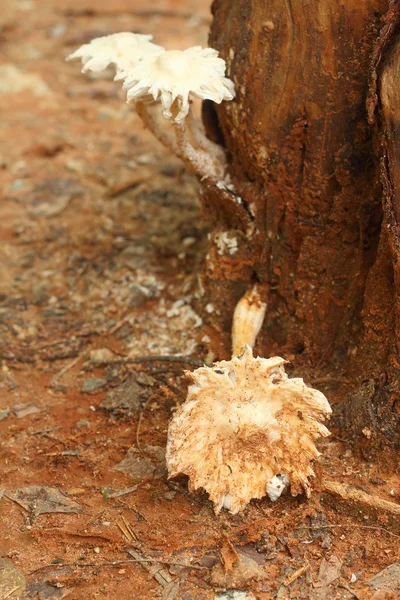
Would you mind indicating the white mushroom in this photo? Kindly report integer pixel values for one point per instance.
(247, 320)
(123, 50)
(173, 76)
(170, 78)
(245, 429)
(276, 486)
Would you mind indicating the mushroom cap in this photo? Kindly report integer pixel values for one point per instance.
(244, 423)
(174, 75)
(123, 50)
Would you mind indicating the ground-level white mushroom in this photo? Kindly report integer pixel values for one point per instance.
(245, 429)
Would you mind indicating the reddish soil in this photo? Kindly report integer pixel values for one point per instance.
(101, 250)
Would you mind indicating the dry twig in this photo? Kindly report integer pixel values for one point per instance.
(114, 563)
(352, 526)
(124, 186)
(346, 587)
(11, 592)
(127, 531)
(66, 369)
(188, 360)
(154, 568)
(139, 425)
(296, 574)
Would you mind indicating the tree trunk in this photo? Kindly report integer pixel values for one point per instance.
(314, 212)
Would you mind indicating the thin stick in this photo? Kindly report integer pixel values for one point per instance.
(127, 533)
(350, 493)
(189, 360)
(156, 571)
(139, 425)
(296, 574)
(129, 530)
(128, 490)
(346, 587)
(124, 186)
(352, 526)
(11, 592)
(116, 563)
(168, 13)
(66, 369)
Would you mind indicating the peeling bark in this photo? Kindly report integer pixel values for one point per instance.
(319, 187)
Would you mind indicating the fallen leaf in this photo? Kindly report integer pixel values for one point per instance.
(243, 573)
(12, 581)
(170, 591)
(147, 463)
(123, 399)
(23, 410)
(93, 385)
(38, 500)
(45, 591)
(4, 412)
(329, 571)
(52, 196)
(386, 582)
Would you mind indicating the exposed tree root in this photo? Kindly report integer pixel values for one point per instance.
(348, 492)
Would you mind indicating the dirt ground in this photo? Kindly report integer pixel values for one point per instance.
(101, 249)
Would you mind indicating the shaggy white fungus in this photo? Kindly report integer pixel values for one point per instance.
(173, 76)
(245, 424)
(123, 50)
(155, 76)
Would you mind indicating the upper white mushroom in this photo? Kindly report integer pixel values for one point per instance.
(174, 75)
(123, 50)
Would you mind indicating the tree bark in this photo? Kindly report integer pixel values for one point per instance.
(316, 201)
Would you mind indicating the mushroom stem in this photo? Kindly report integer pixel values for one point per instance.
(202, 141)
(248, 318)
(201, 162)
(152, 124)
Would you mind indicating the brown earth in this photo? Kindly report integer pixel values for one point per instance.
(102, 248)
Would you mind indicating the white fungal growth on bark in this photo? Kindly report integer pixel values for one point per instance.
(156, 77)
(226, 243)
(245, 424)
